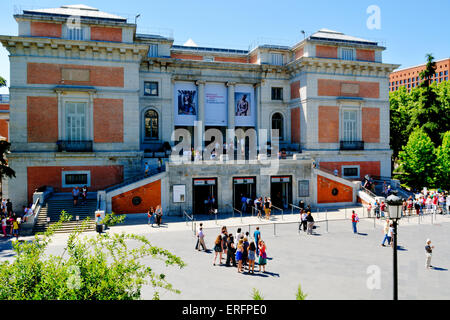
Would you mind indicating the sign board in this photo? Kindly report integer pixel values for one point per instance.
(185, 103)
(203, 182)
(216, 108)
(281, 179)
(179, 193)
(244, 180)
(244, 106)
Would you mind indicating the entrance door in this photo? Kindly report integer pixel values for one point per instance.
(204, 195)
(243, 186)
(281, 191)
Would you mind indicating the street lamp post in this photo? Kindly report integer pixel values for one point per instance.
(395, 213)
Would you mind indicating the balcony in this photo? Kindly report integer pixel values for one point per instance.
(352, 145)
(74, 146)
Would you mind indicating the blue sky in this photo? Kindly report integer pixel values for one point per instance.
(409, 28)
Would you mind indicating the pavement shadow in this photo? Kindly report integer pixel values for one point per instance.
(273, 274)
(362, 234)
(257, 274)
(401, 248)
(439, 269)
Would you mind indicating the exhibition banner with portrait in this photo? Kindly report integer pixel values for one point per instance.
(216, 113)
(244, 101)
(185, 103)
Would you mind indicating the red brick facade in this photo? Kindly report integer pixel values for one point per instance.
(44, 29)
(341, 88)
(101, 177)
(328, 124)
(371, 125)
(108, 120)
(48, 73)
(42, 119)
(295, 125)
(295, 90)
(371, 168)
(326, 52)
(106, 34)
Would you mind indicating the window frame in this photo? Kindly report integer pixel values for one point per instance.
(299, 189)
(357, 167)
(275, 97)
(343, 49)
(78, 172)
(157, 89)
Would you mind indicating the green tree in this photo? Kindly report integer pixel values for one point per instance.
(2, 82)
(417, 160)
(443, 163)
(101, 267)
(428, 112)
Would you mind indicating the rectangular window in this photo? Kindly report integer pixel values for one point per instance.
(153, 50)
(347, 54)
(350, 133)
(277, 59)
(303, 188)
(76, 178)
(350, 172)
(277, 93)
(75, 121)
(150, 88)
(445, 73)
(75, 34)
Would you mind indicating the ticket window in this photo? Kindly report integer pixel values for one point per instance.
(204, 190)
(243, 186)
(281, 191)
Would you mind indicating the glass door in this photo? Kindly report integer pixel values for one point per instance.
(75, 121)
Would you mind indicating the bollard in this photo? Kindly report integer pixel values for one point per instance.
(274, 231)
(345, 213)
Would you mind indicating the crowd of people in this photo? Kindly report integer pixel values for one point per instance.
(10, 221)
(259, 204)
(240, 251)
(427, 201)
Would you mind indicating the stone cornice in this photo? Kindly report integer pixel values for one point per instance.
(346, 67)
(64, 48)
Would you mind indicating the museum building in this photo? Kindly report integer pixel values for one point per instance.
(92, 100)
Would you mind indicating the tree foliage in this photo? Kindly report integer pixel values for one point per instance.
(417, 160)
(104, 267)
(443, 163)
(426, 106)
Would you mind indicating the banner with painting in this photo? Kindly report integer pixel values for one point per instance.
(216, 113)
(245, 115)
(185, 103)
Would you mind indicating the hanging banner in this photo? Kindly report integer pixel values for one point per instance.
(245, 111)
(185, 103)
(216, 113)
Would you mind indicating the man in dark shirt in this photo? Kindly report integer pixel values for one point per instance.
(428, 252)
(231, 251)
(9, 207)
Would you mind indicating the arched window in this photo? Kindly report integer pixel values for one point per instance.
(151, 124)
(277, 124)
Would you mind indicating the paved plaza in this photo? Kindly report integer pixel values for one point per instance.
(329, 265)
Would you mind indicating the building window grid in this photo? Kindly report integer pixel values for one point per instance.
(347, 54)
(277, 93)
(151, 88)
(153, 50)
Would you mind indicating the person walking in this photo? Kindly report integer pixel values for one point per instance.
(386, 232)
(369, 210)
(251, 257)
(257, 238)
(218, 249)
(224, 235)
(9, 207)
(355, 220)
(151, 216)
(75, 194)
(84, 191)
(263, 256)
(146, 169)
(376, 207)
(391, 234)
(158, 214)
(428, 253)
(201, 239)
(310, 223)
(303, 222)
(245, 252)
(198, 240)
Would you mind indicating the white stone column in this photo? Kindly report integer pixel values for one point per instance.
(200, 127)
(231, 104)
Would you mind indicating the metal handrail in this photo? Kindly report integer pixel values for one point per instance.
(240, 212)
(294, 206)
(191, 218)
(133, 179)
(279, 209)
(370, 193)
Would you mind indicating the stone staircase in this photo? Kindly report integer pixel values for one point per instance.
(59, 202)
